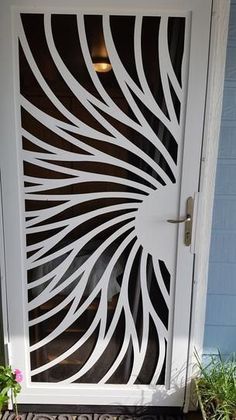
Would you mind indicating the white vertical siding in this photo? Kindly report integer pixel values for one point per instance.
(220, 327)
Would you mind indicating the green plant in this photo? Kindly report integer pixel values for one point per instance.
(9, 386)
(216, 387)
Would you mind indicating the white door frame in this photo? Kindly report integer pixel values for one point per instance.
(214, 100)
(208, 169)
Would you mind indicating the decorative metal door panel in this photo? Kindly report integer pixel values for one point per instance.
(102, 110)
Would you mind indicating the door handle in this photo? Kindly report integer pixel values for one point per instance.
(187, 220)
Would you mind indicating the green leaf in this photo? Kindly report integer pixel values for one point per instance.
(216, 387)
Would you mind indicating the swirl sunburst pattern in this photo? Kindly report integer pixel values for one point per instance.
(97, 147)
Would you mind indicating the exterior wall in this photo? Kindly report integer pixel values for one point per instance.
(220, 326)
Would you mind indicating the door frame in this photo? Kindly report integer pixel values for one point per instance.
(203, 215)
(205, 197)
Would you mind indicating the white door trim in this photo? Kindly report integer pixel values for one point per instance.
(214, 100)
(208, 168)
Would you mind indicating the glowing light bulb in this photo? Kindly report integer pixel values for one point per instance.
(102, 65)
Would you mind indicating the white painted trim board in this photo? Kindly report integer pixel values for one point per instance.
(214, 100)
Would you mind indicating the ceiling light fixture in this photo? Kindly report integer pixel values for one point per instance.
(101, 64)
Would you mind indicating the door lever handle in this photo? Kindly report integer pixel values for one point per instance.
(186, 219)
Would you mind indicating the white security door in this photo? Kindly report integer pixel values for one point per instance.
(102, 127)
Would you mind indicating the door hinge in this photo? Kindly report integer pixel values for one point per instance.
(7, 353)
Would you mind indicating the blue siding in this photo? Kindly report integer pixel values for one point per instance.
(220, 337)
(220, 327)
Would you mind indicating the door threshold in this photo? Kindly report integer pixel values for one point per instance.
(55, 409)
